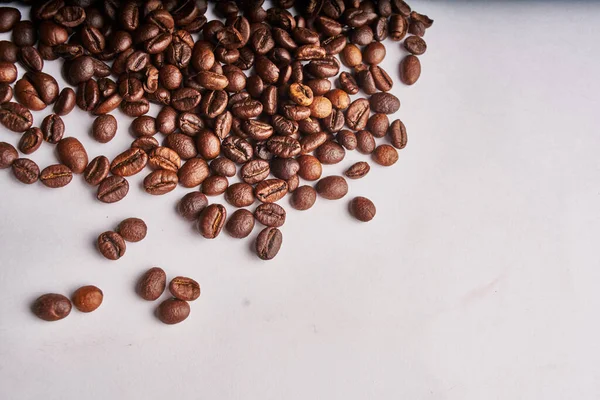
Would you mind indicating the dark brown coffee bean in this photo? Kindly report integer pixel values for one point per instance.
(295, 112)
(24, 33)
(332, 187)
(335, 44)
(25, 170)
(378, 125)
(270, 214)
(310, 52)
(53, 128)
(374, 53)
(8, 154)
(270, 190)
(214, 103)
(111, 245)
(15, 117)
(9, 16)
(237, 149)
(191, 205)
(166, 120)
(112, 189)
(87, 298)
(182, 144)
(348, 83)
(135, 108)
(146, 143)
(310, 167)
(240, 195)
(8, 51)
(111, 103)
(184, 288)
(173, 311)
(56, 176)
(357, 114)
(185, 99)
(70, 16)
(132, 229)
(284, 146)
(255, 86)
(362, 209)
(193, 172)
(31, 59)
(351, 56)
(65, 102)
(160, 182)
(385, 103)
(223, 166)
(88, 95)
(385, 155)
(362, 36)
(51, 307)
(410, 70)
(415, 45)
(30, 141)
(6, 93)
(397, 134)
(366, 81)
(247, 109)
(152, 284)
(319, 86)
(26, 94)
(323, 68)
(398, 27)
(208, 145)
(424, 19)
(96, 170)
(347, 139)
(129, 163)
(256, 129)
(358, 170)
(255, 171)
(215, 185)
(284, 126)
(72, 154)
(303, 198)
(212, 80)
(381, 78)
(131, 89)
(268, 243)
(240, 224)
(284, 168)
(211, 221)
(189, 123)
(52, 34)
(269, 99)
(164, 158)
(330, 153)
(365, 142)
(417, 28)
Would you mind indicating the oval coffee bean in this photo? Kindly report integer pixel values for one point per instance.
(237, 149)
(96, 170)
(410, 70)
(152, 284)
(111, 245)
(9, 16)
(193, 172)
(303, 198)
(31, 140)
(211, 221)
(112, 189)
(129, 163)
(240, 224)
(385, 103)
(358, 170)
(357, 114)
(284, 146)
(183, 288)
(362, 209)
(173, 311)
(385, 155)
(72, 154)
(56, 176)
(378, 125)
(25, 170)
(270, 214)
(191, 205)
(132, 229)
(240, 194)
(215, 185)
(223, 166)
(6, 93)
(51, 307)
(365, 142)
(87, 298)
(415, 45)
(268, 243)
(397, 134)
(65, 102)
(160, 182)
(164, 158)
(310, 167)
(270, 190)
(330, 152)
(15, 117)
(332, 187)
(183, 145)
(8, 154)
(255, 171)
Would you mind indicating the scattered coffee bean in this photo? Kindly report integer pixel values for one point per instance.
(132, 229)
(358, 170)
(268, 243)
(8, 154)
(111, 245)
(152, 284)
(104, 128)
(112, 189)
(51, 307)
(56, 176)
(87, 298)
(415, 45)
(240, 224)
(385, 103)
(362, 209)
(25, 170)
(53, 128)
(385, 155)
(129, 163)
(15, 117)
(193, 172)
(65, 102)
(332, 187)
(365, 142)
(191, 205)
(303, 198)
(160, 182)
(215, 185)
(173, 311)
(211, 221)
(270, 214)
(72, 154)
(240, 194)
(410, 70)
(96, 170)
(184, 288)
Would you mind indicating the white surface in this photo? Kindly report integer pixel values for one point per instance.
(477, 279)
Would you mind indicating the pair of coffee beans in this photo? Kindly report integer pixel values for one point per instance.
(54, 306)
(111, 244)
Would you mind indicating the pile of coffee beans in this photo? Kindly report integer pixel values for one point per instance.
(176, 309)
(54, 306)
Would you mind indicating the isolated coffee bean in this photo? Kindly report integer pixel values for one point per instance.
(132, 229)
(56, 176)
(215, 185)
(129, 163)
(72, 154)
(240, 224)
(87, 298)
(173, 311)
(415, 45)
(270, 214)
(51, 307)
(397, 134)
(268, 243)
(191, 205)
(112, 189)
(385, 155)
(31, 140)
(160, 182)
(211, 221)
(96, 170)
(111, 245)
(362, 209)
(15, 117)
(358, 170)
(8, 154)
(303, 198)
(152, 284)
(385, 103)
(410, 69)
(65, 102)
(6, 93)
(332, 187)
(270, 190)
(25, 170)
(184, 288)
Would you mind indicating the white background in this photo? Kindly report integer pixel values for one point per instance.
(478, 278)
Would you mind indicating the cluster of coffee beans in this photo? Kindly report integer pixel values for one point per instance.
(151, 286)
(111, 244)
(53, 306)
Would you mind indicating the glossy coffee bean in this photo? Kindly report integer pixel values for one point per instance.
(160, 182)
(385, 103)
(51, 307)
(132, 229)
(152, 284)
(6, 93)
(111, 245)
(129, 163)
(270, 190)
(184, 288)
(31, 140)
(357, 170)
(65, 102)
(8, 154)
(56, 176)
(72, 154)
(25, 170)
(268, 243)
(365, 142)
(164, 158)
(173, 311)
(15, 117)
(303, 198)
(310, 167)
(330, 152)
(385, 155)
(87, 298)
(410, 70)
(215, 185)
(211, 221)
(193, 172)
(362, 209)
(191, 205)
(415, 45)
(96, 170)
(332, 187)
(240, 224)
(270, 214)
(112, 189)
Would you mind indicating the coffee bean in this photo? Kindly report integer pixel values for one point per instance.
(15, 117)
(25, 170)
(240, 224)
(129, 163)
(255, 171)
(146, 143)
(211, 221)
(374, 53)
(424, 19)
(284, 146)
(330, 153)
(257, 130)
(215, 185)
(347, 139)
(324, 68)
(182, 145)
(53, 128)
(214, 103)
(319, 86)
(303, 198)
(381, 78)
(416, 28)
(351, 56)
(96, 170)
(398, 27)
(65, 102)
(8, 154)
(112, 189)
(193, 172)
(270, 214)
(72, 154)
(338, 98)
(164, 158)
(192, 204)
(410, 70)
(284, 126)
(357, 114)
(184, 288)
(268, 243)
(362, 209)
(348, 83)
(385, 155)
(313, 141)
(378, 125)
(111, 245)
(87, 298)
(223, 166)
(185, 99)
(8, 51)
(56, 176)
(152, 284)
(284, 168)
(240, 195)
(270, 190)
(310, 167)
(173, 311)
(31, 59)
(212, 80)
(6, 93)
(131, 89)
(320, 107)
(9, 16)
(24, 33)
(358, 170)
(332, 187)
(237, 149)
(365, 142)
(30, 141)
(132, 229)
(397, 134)
(51, 307)
(415, 45)
(366, 81)
(362, 36)
(160, 182)
(385, 103)
(70, 16)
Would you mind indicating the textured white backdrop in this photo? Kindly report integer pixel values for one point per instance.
(476, 280)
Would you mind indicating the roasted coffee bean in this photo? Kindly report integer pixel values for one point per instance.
(310, 52)
(132, 230)
(320, 107)
(330, 153)
(166, 120)
(51, 307)
(247, 109)
(52, 34)
(361, 36)
(237, 149)
(141, 126)
(92, 39)
(365, 142)
(112, 189)
(381, 78)
(335, 44)
(53, 128)
(110, 103)
(357, 114)
(80, 70)
(8, 52)
(378, 125)
(111, 245)
(182, 144)
(211, 221)
(362, 209)
(255, 86)
(374, 53)
(152, 284)
(255, 171)
(88, 95)
(146, 143)
(160, 182)
(385, 155)
(351, 56)
(70, 16)
(293, 183)
(191, 205)
(348, 83)
(284, 126)
(96, 170)
(270, 214)
(270, 190)
(347, 139)
(339, 99)
(240, 194)
(319, 86)
(189, 123)
(214, 103)
(269, 100)
(8, 154)
(226, 56)
(193, 172)
(310, 167)
(256, 129)
(415, 45)
(410, 70)
(398, 27)
(215, 185)
(134, 108)
(72, 154)
(240, 224)
(223, 166)
(397, 134)
(185, 99)
(173, 311)
(131, 89)
(208, 145)
(65, 102)
(332, 187)
(284, 168)
(15, 117)
(164, 158)
(27, 94)
(31, 59)
(309, 126)
(56, 176)
(212, 80)
(25, 170)
(87, 298)
(6, 93)
(9, 16)
(129, 163)
(366, 81)
(24, 33)
(184, 288)
(424, 19)
(323, 68)
(385, 103)
(268, 243)
(311, 142)
(30, 141)
(284, 146)
(303, 198)
(416, 28)
(358, 170)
